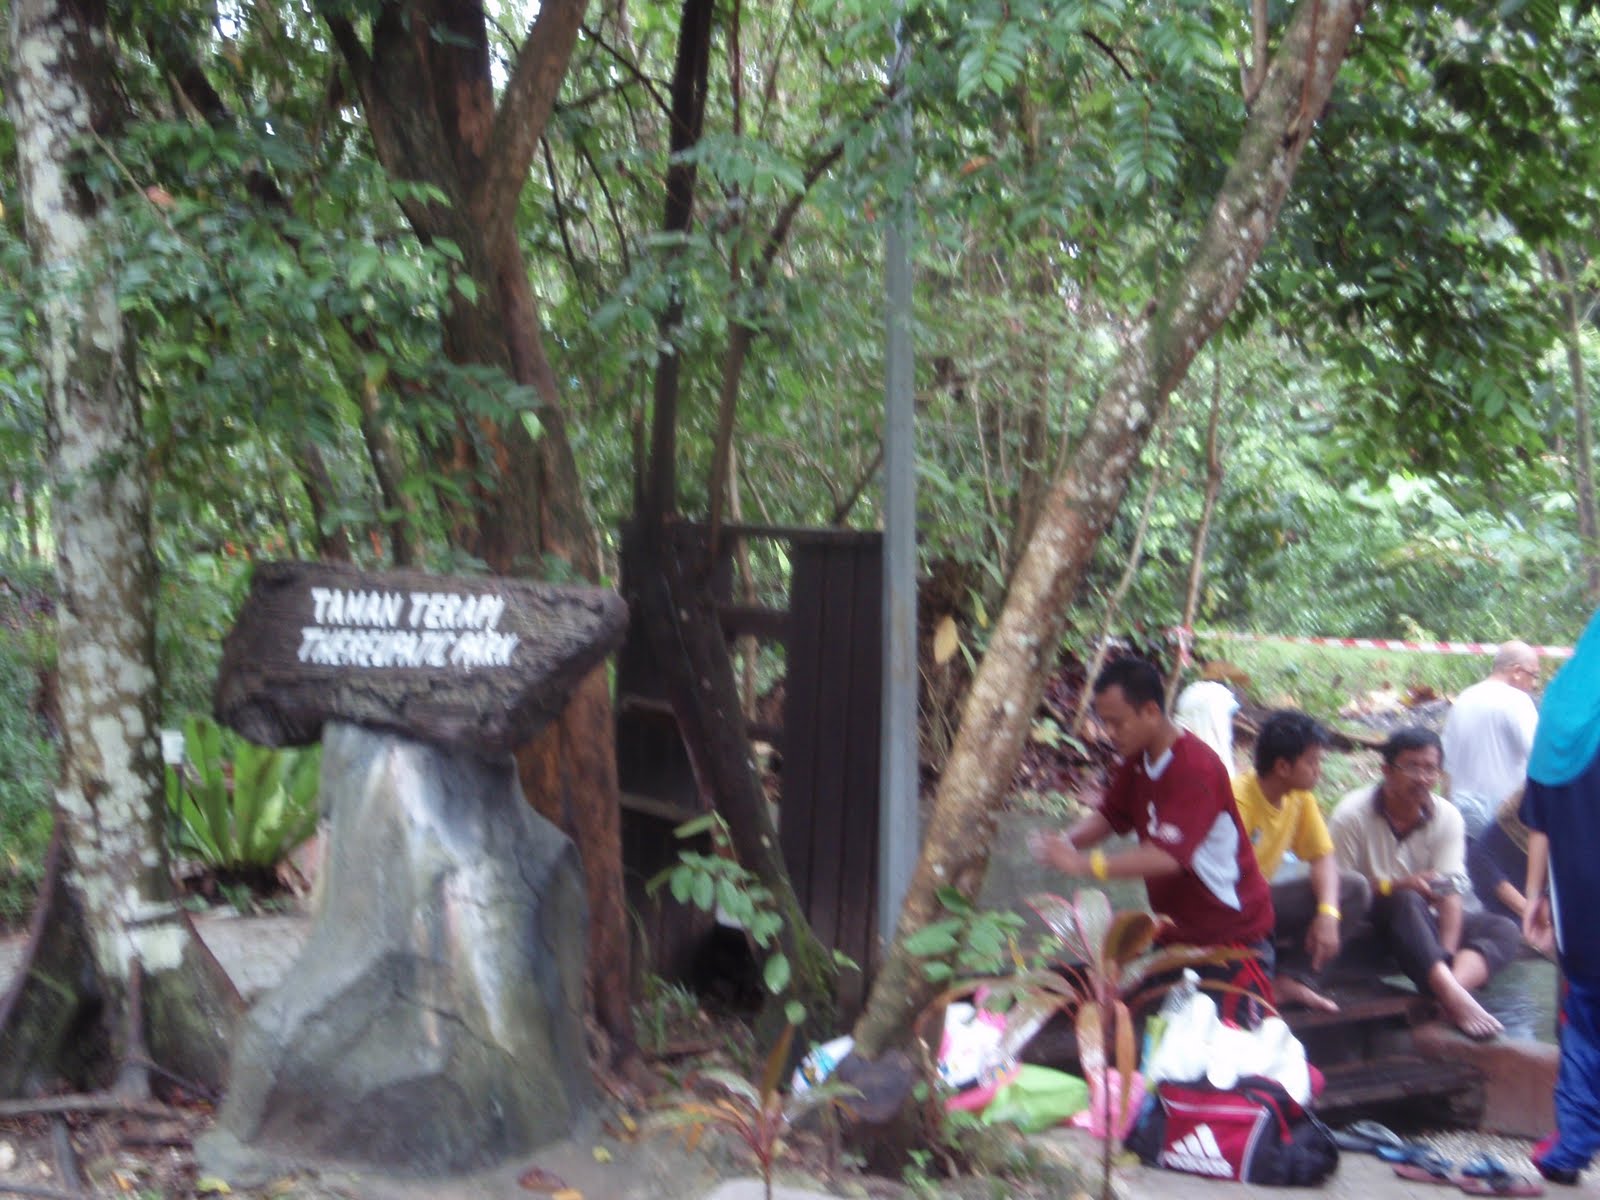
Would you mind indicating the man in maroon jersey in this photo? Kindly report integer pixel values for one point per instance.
(1173, 791)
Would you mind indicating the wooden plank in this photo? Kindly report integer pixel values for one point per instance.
(858, 682)
(1361, 1007)
(758, 620)
(804, 535)
(1394, 1079)
(831, 716)
(663, 810)
(800, 745)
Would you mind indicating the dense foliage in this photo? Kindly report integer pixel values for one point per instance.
(1404, 412)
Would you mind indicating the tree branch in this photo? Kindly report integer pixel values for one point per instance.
(524, 111)
(1105, 48)
(631, 67)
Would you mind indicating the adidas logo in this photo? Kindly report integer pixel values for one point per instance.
(1199, 1154)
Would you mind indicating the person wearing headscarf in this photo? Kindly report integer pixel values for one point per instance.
(1561, 806)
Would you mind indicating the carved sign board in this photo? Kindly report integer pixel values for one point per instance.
(481, 663)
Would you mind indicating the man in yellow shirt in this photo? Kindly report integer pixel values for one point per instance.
(1280, 816)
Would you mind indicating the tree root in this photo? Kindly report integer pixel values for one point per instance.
(89, 1102)
(68, 1167)
(43, 1193)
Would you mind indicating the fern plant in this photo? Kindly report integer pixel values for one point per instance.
(238, 807)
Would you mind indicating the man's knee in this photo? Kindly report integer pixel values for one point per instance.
(1402, 908)
(1496, 938)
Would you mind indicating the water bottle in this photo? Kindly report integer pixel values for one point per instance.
(1177, 999)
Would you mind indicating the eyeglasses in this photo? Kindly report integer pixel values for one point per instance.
(1421, 773)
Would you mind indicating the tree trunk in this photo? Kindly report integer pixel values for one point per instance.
(429, 102)
(1583, 427)
(678, 611)
(1086, 495)
(1202, 531)
(332, 541)
(110, 795)
(669, 574)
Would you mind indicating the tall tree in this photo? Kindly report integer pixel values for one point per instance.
(1189, 307)
(156, 984)
(670, 568)
(424, 77)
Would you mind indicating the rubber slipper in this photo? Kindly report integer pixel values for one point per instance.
(1486, 1175)
(1426, 1166)
(1365, 1137)
(1412, 1153)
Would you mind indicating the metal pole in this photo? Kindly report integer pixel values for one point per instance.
(899, 829)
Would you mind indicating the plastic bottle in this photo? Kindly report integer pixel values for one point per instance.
(1177, 998)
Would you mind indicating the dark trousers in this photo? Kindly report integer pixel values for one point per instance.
(1296, 907)
(1405, 923)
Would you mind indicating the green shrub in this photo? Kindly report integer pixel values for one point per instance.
(238, 807)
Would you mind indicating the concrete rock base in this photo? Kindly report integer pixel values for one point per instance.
(433, 1023)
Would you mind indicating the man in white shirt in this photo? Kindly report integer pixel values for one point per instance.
(1489, 735)
(1411, 846)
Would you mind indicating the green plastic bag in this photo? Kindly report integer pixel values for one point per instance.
(1037, 1099)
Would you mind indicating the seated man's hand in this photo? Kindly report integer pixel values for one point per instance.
(1322, 941)
(1423, 883)
(1056, 850)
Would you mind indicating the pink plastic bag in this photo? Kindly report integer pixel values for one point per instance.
(1094, 1117)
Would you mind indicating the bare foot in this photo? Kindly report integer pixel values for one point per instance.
(1469, 1016)
(1297, 991)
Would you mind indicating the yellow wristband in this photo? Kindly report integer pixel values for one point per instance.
(1328, 910)
(1385, 886)
(1097, 863)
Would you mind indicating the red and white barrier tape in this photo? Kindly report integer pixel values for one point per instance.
(1186, 640)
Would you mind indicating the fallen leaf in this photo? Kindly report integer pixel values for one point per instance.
(537, 1179)
(211, 1183)
(568, 1194)
(601, 1154)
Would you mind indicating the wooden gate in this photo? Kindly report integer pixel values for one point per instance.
(828, 739)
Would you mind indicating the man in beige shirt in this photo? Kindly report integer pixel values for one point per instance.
(1411, 845)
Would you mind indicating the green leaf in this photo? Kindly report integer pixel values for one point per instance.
(933, 940)
(776, 974)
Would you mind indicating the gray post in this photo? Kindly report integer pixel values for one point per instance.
(899, 831)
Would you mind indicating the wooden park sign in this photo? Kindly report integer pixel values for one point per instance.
(481, 663)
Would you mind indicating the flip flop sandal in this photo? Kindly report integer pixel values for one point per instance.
(1424, 1166)
(1367, 1137)
(1486, 1175)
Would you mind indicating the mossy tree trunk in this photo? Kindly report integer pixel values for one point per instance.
(145, 957)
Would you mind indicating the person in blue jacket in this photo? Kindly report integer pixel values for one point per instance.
(1561, 806)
